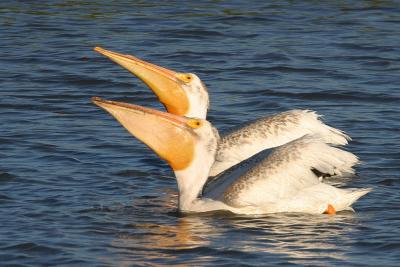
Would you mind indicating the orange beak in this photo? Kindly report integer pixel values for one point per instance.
(168, 135)
(163, 82)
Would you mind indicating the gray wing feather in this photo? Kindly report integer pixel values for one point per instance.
(279, 173)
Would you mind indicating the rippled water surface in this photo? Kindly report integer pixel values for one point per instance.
(76, 189)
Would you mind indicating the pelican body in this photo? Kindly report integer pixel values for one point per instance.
(184, 94)
(280, 180)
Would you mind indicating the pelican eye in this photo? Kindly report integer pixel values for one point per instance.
(194, 123)
(185, 77)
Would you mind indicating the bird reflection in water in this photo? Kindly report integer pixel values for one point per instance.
(163, 243)
(299, 238)
(294, 238)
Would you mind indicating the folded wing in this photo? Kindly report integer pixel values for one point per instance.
(284, 181)
(240, 144)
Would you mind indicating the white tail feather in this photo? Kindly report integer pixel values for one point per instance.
(316, 199)
(349, 197)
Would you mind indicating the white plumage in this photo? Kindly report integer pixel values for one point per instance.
(246, 176)
(284, 181)
(272, 131)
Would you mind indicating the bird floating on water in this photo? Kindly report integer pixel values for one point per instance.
(276, 180)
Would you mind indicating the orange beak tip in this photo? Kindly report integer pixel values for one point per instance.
(96, 99)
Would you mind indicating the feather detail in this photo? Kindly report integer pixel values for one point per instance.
(284, 182)
(246, 141)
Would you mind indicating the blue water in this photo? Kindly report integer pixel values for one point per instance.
(77, 190)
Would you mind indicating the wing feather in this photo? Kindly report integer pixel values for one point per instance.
(282, 173)
(242, 143)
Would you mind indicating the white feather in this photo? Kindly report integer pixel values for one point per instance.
(284, 182)
(269, 132)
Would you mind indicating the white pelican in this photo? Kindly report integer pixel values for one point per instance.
(280, 182)
(186, 95)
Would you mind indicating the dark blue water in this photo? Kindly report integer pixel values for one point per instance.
(77, 190)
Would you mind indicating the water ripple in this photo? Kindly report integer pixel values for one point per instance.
(76, 189)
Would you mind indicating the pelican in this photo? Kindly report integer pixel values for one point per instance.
(281, 181)
(185, 94)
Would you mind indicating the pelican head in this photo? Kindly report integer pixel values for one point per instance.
(188, 144)
(182, 94)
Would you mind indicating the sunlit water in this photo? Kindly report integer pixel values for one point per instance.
(76, 189)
